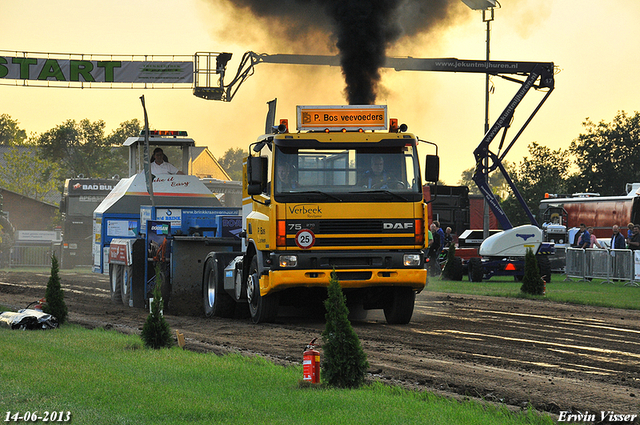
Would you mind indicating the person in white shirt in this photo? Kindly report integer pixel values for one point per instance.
(160, 164)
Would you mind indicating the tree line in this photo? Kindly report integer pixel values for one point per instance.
(36, 165)
(602, 159)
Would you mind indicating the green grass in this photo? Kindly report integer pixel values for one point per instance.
(103, 377)
(47, 270)
(593, 293)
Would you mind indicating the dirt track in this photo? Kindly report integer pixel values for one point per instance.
(557, 357)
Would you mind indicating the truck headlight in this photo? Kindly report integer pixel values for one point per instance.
(288, 260)
(411, 260)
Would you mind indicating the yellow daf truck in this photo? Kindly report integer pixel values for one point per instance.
(343, 193)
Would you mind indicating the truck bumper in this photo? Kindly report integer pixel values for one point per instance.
(278, 280)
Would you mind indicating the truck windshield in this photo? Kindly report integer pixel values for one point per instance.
(347, 174)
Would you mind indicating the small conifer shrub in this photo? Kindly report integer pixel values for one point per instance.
(345, 363)
(54, 295)
(156, 332)
(532, 281)
(448, 270)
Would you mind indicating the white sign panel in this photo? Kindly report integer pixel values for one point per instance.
(122, 228)
(37, 235)
(169, 214)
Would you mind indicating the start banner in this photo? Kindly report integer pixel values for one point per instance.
(95, 71)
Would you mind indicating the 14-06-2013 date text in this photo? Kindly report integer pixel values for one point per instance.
(46, 416)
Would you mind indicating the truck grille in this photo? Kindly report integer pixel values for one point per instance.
(358, 233)
(352, 261)
(349, 226)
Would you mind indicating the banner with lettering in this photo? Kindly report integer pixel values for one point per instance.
(95, 71)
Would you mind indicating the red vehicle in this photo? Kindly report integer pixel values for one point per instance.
(601, 212)
(454, 207)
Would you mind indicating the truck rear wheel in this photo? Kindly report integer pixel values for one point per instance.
(262, 309)
(216, 301)
(476, 272)
(115, 276)
(399, 309)
(125, 287)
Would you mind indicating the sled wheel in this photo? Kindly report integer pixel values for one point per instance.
(216, 301)
(125, 287)
(115, 276)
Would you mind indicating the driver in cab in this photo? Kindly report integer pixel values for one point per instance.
(378, 177)
(285, 179)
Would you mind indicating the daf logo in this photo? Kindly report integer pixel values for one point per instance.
(397, 226)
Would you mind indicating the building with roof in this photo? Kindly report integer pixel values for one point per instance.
(23, 212)
(205, 165)
(26, 213)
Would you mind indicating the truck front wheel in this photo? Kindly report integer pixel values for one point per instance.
(399, 309)
(216, 301)
(262, 309)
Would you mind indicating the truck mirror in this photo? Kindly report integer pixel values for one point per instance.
(256, 174)
(432, 168)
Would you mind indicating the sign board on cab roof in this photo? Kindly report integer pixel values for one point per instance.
(336, 118)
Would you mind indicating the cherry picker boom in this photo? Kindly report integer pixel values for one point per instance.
(538, 75)
(503, 253)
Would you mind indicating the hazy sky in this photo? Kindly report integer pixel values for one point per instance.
(592, 43)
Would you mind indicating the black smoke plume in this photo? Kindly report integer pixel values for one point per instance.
(363, 30)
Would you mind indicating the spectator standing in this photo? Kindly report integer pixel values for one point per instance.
(593, 242)
(617, 240)
(585, 238)
(441, 235)
(578, 236)
(448, 237)
(434, 250)
(634, 242)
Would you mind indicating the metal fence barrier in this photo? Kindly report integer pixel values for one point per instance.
(608, 264)
(30, 255)
(575, 266)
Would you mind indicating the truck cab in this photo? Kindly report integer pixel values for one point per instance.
(80, 197)
(339, 197)
(176, 145)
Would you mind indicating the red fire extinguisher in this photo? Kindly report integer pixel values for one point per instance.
(38, 304)
(311, 364)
